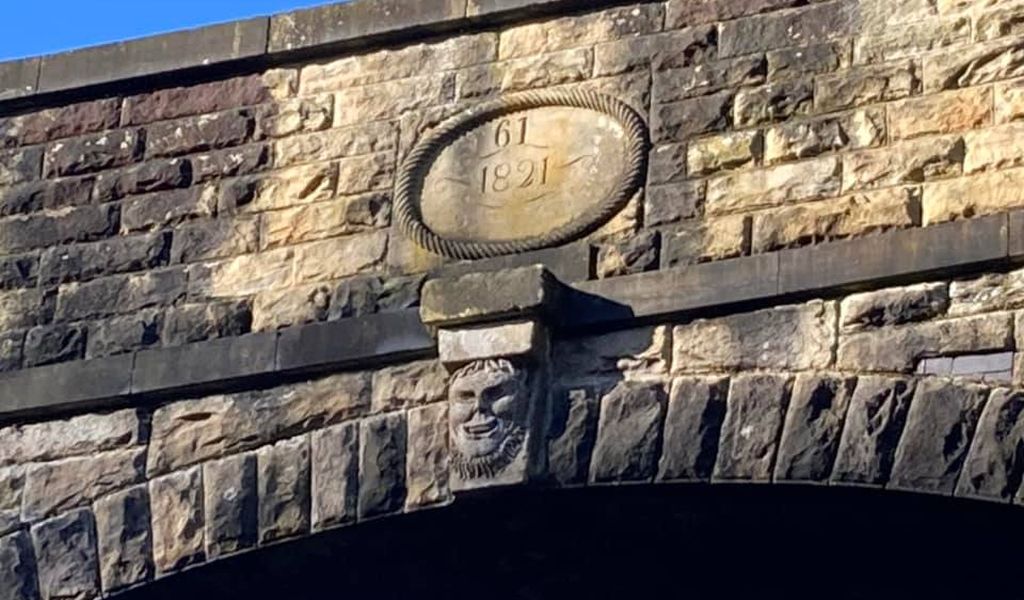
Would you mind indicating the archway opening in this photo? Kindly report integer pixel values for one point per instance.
(685, 541)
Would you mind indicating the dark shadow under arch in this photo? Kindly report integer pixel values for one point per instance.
(657, 541)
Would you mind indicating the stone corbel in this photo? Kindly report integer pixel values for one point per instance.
(492, 335)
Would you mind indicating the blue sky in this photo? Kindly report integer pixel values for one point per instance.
(32, 27)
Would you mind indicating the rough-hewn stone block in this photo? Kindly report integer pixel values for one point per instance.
(123, 538)
(710, 239)
(334, 455)
(975, 196)
(683, 13)
(791, 63)
(994, 468)
(573, 431)
(773, 102)
(382, 464)
(664, 204)
(18, 577)
(790, 141)
(93, 153)
(874, 424)
(363, 138)
(151, 176)
(894, 306)
(78, 224)
(866, 85)
(941, 113)
(629, 433)
(911, 39)
(708, 78)
(109, 257)
(751, 429)
(679, 121)
(172, 103)
(49, 344)
(427, 462)
(813, 427)
(43, 195)
(726, 151)
(763, 188)
(974, 65)
(908, 162)
(65, 550)
(994, 149)
(584, 30)
(61, 122)
(230, 504)
(20, 166)
(696, 410)
(284, 489)
(634, 353)
(172, 207)
(120, 294)
(659, 52)
(55, 487)
(179, 533)
(77, 436)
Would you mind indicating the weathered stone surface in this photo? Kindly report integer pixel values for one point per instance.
(10, 350)
(765, 32)
(1009, 101)
(41, 195)
(629, 433)
(866, 85)
(993, 468)
(988, 293)
(277, 309)
(12, 482)
(545, 70)
(708, 78)
(573, 431)
(172, 103)
(190, 323)
(53, 343)
(791, 337)
(969, 197)
(504, 340)
(898, 349)
(242, 275)
(171, 207)
(773, 102)
(230, 504)
(763, 188)
(150, 176)
(908, 162)
(18, 577)
(382, 464)
(335, 475)
(65, 550)
(696, 410)
(55, 487)
(409, 385)
(874, 424)
(864, 128)
(751, 429)
(813, 427)
(109, 257)
(364, 138)
(61, 122)
(999, 23)
(994, 149)
(858, 214)
(427, 463)
(708, 239)
(634, 353)
(893, 306)
(635, 255)
(19, 166)
(791, 63)
(20, 308)
(209, 240)
(683, 13)
(284, 489)
(120, 294)
(483, 297)
(912, 39)
(123, 538)
(679, 121)
(296, 115)
(941, 113)
(339, 258)
(940, 425)
(199, 134)
(974, 65)
(659, 52)
(186, 433)
(584, 30)
(19, 271)
(93, 153)
(78, 436)
(233, 162)
(324, 220)
(77, 224)
(178, 535)
(726, 151)
(664, 204)
(388, 100)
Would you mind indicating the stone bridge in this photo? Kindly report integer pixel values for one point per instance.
(384, 292)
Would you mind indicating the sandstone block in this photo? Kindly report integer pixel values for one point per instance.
(813, 427)
(277, 309)
(994, 149)
(816, 23)
(988, 293)
(335, 475)
(427, 463)
(339, 258)
(998, 23)
(62, 122)
(634, 255)
(209, 240)
(307, 223)
(791, 141)
(912, 39)
(751, 429)
(41, 195)
(679, 121)
(635, 353)
(12, 482)
(232, 162)
(763, 188)
(972, 196)
(545, 70)
(123, 539)
(993, 467)
(664, 204)
(584, 30)
(667, 164)
(19, 271)
(361, 174)
(974, 65)
(898, 349)
(10, 350)
(18, 577)
(93, 153)
(908, 162)
(190, 323)
(172, 207)
(710, 239)
(199, 134)
(120, 293)
(874, 424)
(355, 140)
(172, 103)
(108, 257)
(20, 166)
(941, 113)
(296, 115)
(410, 385)
(940, 425)
(894, 306)
(727, 151)
(150, 176)
(773, 102)
(659, 52)
(178, 535)
(1009, 101)
(65, 550)
(49, 344)
(230, 505)
(77, 224)
(792, 63)
(629, 433)
(55, 487)
(242, 275)
(187, 433)
(866, 85)
(20, 308)
(696, 410)
(382, 464)
(284, 489)
(708, 78)
(682, 13)
(388, 100)
(573, 431)
(79, 436)
(790, 337)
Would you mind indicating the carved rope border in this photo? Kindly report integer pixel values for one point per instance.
(414, 170)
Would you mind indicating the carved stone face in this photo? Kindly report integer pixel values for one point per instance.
(488, 414)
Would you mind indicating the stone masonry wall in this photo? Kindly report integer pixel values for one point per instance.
(262, 200)
(845, 392)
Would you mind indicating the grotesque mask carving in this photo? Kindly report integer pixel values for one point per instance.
(488, 417)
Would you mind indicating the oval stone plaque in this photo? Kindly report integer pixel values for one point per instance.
(522, 173)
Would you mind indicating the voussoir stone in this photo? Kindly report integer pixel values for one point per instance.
(18, 576)
(874, 424)
(427, 462)
(940, 426)
(124, 538)
(573, 431)
(813, 428)
(65, 549)
(696, 410)
(382, 460)
(750, 432)
(995, 466)
(629, 433)
(230, 504)
(178, 535)
(334, 456)
(284, 489)
(186, 433)
(12, 483)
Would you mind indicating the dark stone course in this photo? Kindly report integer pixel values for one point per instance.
(120, 294)
(773, 102)
(874, 424)
(79, 224)
(65, 548)
(108, 257)
(284, 489)
(150, 176)
(18, 576)
(118, 335)
(709, 78)
(218, 238)
(233, 162)
(199, 322)
(173, 103)
(680, 121)
(49, 344)
(230, 505)
(629, 433)
(481, 297)
(151, 55)
(995, 464)
(18, 78)
(11, 345)
(19, 271)
(94, 152)
(60, 122)
(57, 387)
(940, 425)
(199, 134)
(42, 195)
(124, 541)
(750, 432)
(166, 208)
(696, 410)
(805, 60)
(20, 166)
(217, 360)
(806, 26)
(334, 454)
(638, 254)
(665, 204)
(382, 464)
(684, 13)
(813, 428)
(573, 432)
